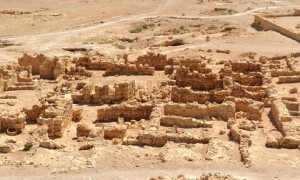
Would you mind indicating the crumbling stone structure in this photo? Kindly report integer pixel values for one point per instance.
(57, 115)
(52, 69)
(184, 77)
(286, 115)
(185, 95)
(107, 94)
(34, 61)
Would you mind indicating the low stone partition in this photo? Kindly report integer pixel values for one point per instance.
(76, 73)
(158, 61)
(129, 69)
(224, 111)
(126, 111)
(57, 115)
(116, 131)
(195, 65)
(183, 122)
(277, 73)
(251, 79)
(12, 123)
(107, 94)
(84, 131)
(258, 93)
(160, 139)
(288, 79)
(185, 78)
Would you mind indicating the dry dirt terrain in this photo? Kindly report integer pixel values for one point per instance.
(150, 89)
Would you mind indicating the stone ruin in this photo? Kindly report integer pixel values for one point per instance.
(15, 77)
(107, 94)
(57, 115)
(286, 115)
(158, 61)
(187, 108)
(53, 68)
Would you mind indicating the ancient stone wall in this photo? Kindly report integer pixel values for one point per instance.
(12, 123)
(196, 80)
(225, 110)
(251, 79)
(185, 95)
(252, 109)
(52, 69)
(158, 61)
(266, 24)
(287, 123)
(195, 65)
(126, 111)
(34, 61)
(16, 77)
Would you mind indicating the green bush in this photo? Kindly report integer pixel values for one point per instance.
(139, 28)
(212, 27)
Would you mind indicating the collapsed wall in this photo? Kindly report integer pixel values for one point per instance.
(94, 63)
(129, 69)
(16, 78)
(224, 111)
(185, 78)
(12, 123)
(253, 109)
(160, 139)
(107, 94)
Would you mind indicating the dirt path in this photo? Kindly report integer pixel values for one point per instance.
(51, 39)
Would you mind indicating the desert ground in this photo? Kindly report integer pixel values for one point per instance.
(150, 89)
